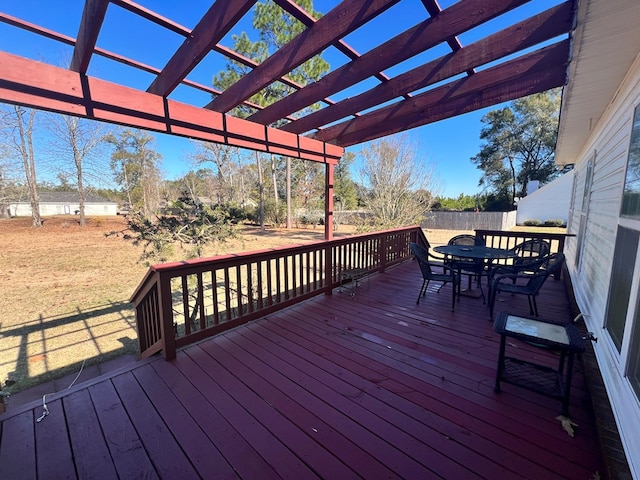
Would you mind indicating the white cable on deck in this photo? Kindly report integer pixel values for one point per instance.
(45, 409)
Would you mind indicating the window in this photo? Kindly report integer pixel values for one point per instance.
(631, 197)
(584, 209)
(633, 371)
(624, 259)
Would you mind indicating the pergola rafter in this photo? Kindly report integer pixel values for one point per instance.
(406, 45)
(292, 115)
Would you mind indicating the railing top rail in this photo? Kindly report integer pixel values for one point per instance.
(221, 261)
(257, 254)
(515, 233)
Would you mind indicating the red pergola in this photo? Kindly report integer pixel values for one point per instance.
(525, 57)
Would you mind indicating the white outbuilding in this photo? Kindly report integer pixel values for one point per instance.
(64, 203)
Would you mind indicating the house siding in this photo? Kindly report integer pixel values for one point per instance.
(64, 208)
(591, 277)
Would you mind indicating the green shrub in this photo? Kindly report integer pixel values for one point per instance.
(532, 223)
(554, 222)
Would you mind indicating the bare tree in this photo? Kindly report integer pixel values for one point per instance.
(135, 164)
(223, 158)
(17, 125)
(260, 190)
(77, 143)
(400, 188)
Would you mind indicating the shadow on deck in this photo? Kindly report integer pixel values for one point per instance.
(364, 386)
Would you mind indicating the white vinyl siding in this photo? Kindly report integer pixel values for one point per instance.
(609, 141)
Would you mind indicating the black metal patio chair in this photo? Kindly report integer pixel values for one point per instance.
(530, 250)
(533, 282)
(448, 275)
(473, 268)
(517, 270)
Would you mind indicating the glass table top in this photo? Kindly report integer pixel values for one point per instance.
(537, 329)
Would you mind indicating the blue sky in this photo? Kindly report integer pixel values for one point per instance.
(447, 145)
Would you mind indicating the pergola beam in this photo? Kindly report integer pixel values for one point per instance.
(38, 85)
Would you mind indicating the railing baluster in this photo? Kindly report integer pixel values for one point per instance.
(200, 302)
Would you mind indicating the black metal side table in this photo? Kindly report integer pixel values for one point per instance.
(353, 275)
(565, 338)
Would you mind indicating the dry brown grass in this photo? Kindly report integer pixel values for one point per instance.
(65, 291)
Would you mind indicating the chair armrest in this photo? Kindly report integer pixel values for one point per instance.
(517, 269)
(439, 258)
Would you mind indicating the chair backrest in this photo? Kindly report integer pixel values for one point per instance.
(465, 239)
(551, 265)
(422, 256)
(531, 250)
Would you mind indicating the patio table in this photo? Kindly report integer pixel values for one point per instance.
(475, 252)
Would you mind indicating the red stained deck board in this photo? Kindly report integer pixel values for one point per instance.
(377, 400)
(127, 452)
(360, 331)
(294, 402)
(272, 449)
(486, 330)
(251, 398)
(299, 442)
(419, 457)
(165, 453)
(53, 450)
(17, 458)
(396, 395)
(454, 399)
(518, 416)
(384, 390)
(84, 431)
(204, 457)
(335, 418)
(398, 331)
(246, 460)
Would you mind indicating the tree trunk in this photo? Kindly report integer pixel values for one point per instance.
(261, 190)
(26, 148)
(275, 182)
(513, 176)
(81, 193)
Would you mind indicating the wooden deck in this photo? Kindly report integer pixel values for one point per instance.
(365, 386)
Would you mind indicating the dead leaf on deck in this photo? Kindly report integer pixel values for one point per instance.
(567, 425)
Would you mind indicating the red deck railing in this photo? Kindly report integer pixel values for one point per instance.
(180, 303)
(509, 239)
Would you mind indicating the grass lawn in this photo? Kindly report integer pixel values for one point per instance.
(65, 291)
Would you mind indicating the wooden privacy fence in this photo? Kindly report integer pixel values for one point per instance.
(180, 303)
(470, 220)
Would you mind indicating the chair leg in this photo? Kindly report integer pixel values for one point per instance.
(423, 289)
(453, 295)
(492, 299)
(530, 304)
